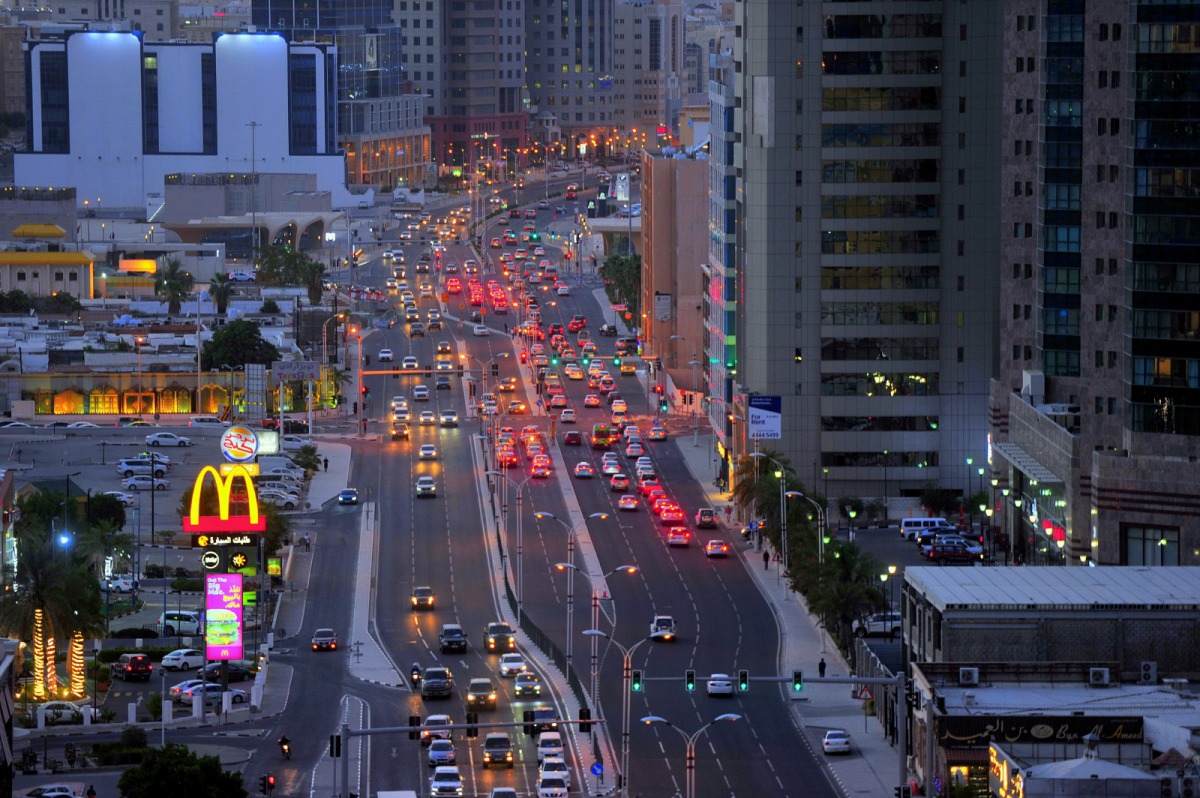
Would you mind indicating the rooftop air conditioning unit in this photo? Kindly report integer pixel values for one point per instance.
(968, 677)
(1148, 673)
(1098, 677)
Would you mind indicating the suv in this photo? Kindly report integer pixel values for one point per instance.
(544, 719)
(436, 683)
(498, 636)
(481, 694)
(452, 638)
(881, 623)
(132, 666)
(445, 781)
(662, 628)
(706, 518)
(497, 750)
(141, 466)
(399, 431)
(324, 640)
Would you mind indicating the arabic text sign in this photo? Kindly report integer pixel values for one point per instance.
(239, 444)
(223, 616)
(292, 370)
(766, 417)
(221, 541)
(971, 730)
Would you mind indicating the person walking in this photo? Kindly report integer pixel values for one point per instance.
(326, 464)
(728, 512)
(821, 668)
(91, 792)
(307, 543)
(766, 560)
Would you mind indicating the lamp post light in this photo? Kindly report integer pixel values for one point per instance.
(325, 338)
(542, 516)
(626, 698)
(592, 580)
(361, 421)
(822, 525)
(781, 475)
(981, 471)
(690, 741)
(520, 534)
(891, 572)
(139, 340)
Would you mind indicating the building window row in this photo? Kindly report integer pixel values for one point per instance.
(879, 423)
(1173, 277)
(870, 278)
(880, 134)
(879, 206)
(1166, 182)
(1061, 362)
(882, 26)
(892, 98)
(891, 459)
(879, 384)
(847, 313)
(1148, 545)
(1180, 325)
(880, 242)
(1179, 230)
(1170, 38)
(882, 62)
(894, 170)
(880, 349)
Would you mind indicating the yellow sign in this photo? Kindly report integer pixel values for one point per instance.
(223, 522)
(228, 468)
(138, 266)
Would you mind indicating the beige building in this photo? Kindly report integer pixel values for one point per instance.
(674, 246)
(647, 63)
(157, 19)
(12, 70)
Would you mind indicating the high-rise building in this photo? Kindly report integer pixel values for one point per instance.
(867, 144)
(648, 38)
(156, 20)
(1096, 403)
(379, 117)
(569, 69)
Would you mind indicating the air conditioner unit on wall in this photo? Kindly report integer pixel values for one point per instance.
(968, 677)
(1098, 677)
(1149, 673)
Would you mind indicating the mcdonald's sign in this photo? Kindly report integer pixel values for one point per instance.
(253, 521)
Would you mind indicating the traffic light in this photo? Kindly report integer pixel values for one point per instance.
(472, 729)
(262, 784)
(616, 360)
(690, 681)
(527, 719)
(797, 681)
(554, 361)
(662, 405)
(635, 684)
(414, 722)
(495, 369)
(743, 681)
(355, 408)
(587, 361)
(270, 783)
(585, 720)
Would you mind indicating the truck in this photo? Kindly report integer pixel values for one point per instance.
(662, 628)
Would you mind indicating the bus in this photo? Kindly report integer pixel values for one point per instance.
(603, 436)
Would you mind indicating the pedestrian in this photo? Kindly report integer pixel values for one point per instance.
(327, 464)
(766, 559)
(821, 668)
(506, 328)
(307, 543)
(91, 792)
(728, 512)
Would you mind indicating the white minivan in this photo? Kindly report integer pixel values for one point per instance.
(913, 528)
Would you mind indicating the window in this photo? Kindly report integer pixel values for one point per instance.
(1103, 79)
(1103, 31)
(1101, 126)
(1144, 545)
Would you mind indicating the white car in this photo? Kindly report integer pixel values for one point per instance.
(426, 487)
(511, 664)
(427, 452)
(556, 766)
(567, 416)
(719, 684)
(183, 659)
(551, 786)
(481, 330)
(126, 499)
(428, 417)
(429, 735)
(290, 443)
(836, 741)
(82, 425)
(410, 362)
(143, 482)
(119, 583)
(445, 781)
(386, 356)
(564, 291)
(241, 277)
(66, 712)
(281, 500)
(449, 418)
(167, 439)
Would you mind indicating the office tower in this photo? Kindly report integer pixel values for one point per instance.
(1096, 404)
(867, 149)
(648, 45)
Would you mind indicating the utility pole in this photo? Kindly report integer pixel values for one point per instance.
(254, 126)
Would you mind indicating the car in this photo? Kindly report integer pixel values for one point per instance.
(555, 765)
(618, 482)
(52, 791)
(634, 449)
(658, 433)
(584, 470)
(647, 481)
(452, 638)
(881, 623)
(386, 356)
(611, 468)
(324, 640)
(511, 664)
(65, 712)
(481, 331)
(449, 418)
(210, 693)
(426, 487)
(423, 598)
(499, 636)
(672, 515)
(437, 682)
(954, 552)
(441, 752)
(444, 348)
(410, 362)
(573, 438)
(716, 548)
(144, 482)
(429, 735)
(551, 785)
(527, 683)
(427, 452)
(540, 470)
(402, 414)
(348, 496)
(427, 418)
(182, 659)
(417, 330)
(177, 691)
(241, 277)
(719, 684)
(563, 290)
(420, 392)
(126, 499)
(481, 694)
(167, 439)
(591, 400)
(836, 741)
(628, 502)
(558, 400)
(662, 627)
(119, 583)
(441, 382)
(517, 408)
(679, 536)
(212, 672)
(443, 364)
(445, 781)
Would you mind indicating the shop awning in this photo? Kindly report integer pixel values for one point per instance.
(39, 231)
(1024, 462)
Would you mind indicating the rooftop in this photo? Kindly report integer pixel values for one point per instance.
(1057, 588)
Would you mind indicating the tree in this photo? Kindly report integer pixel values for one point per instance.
(104, 509)
(623, 280)
(308, 458)
(220, 291)
(236, 344)
(847, 588)
(334, 380)
(173, 284)
(188, 774)
(312, 277)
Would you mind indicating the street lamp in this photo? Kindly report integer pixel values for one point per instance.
(139, 340)
(325, 338)
(690, 740)
(592, 580)
(541, 516)
(355, 331)
(626, 697)
(822, 527)
(892, 593)
(781, 475)
(520, 534)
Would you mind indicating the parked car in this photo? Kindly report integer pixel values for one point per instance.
(836, 741)
(881, 623)
(167, 439)
(183, 659)
(212, 672)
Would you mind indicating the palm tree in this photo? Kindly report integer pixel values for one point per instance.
(334, 380)
(39, 605)
(220, 291)
(173, 285)
(848, 588)
(312, 278)
(757, 488)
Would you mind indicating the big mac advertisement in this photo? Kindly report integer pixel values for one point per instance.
(223, 616)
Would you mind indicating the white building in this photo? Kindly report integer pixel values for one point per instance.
(243, 103)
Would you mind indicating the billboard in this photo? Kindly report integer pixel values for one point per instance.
(224, 522)
(223, 617)
(766, 417)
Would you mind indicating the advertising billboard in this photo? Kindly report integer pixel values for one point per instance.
(223, 628)
(766, 417)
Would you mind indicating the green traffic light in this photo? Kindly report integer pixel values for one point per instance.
(635, 683)
(743, 681)
(690, 681)
(797, 681)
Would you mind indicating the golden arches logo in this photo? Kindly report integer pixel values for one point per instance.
(252, 522)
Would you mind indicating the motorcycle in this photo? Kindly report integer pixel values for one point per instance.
(415, 676)
(285, 748)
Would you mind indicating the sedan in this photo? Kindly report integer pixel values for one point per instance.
(512, 664)
(719, 684)
(348, 496)
(527, 684)
(386, 356)
(540, 470)
(481, 331)
(591, 400)
(611, 468)
(428, 417)
(426, 487)
(441, 752)
(183, 659)
(212, 672)
(585, 470)
(144, 482)
(410, 362)
(567, 416)
(679, 536)
(672, 515)
(716, 548)
(656, 434)
(618, 482)
(628, 502)
(124, 498)
(82, 425)
(177, 691)
(634, 449)
(836, 741)
(66, 712)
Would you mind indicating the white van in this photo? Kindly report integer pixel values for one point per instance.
(175, 622)
(912, 528)
(207, 421)
(549, 744)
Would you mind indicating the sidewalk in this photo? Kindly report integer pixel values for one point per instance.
(803, 646)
